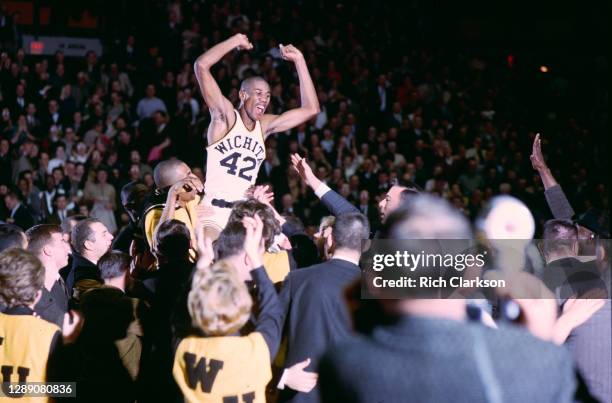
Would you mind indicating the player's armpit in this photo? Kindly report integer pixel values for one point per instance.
(220, 125)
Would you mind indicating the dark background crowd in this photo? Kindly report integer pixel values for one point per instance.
(444, 102)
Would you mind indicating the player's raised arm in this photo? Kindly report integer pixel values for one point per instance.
(221, 109)
(309, 101)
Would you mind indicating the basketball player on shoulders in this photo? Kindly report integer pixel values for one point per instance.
(236, 137)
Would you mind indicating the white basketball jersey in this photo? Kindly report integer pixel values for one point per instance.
(233, 162)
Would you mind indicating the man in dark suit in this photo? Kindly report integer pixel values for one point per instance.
(91, 240)
(20, 102)
(53, 117)
(19, 214)
(112, 334)
(586, 330)
(51, 247)
(429, 352)
(312, 298)
(381, 99)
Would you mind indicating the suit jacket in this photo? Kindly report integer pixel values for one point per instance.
(82, 269)
(17, 109)
(23, 218)
(337, 204)
(315, 315)
(558, 203)
(435, 360)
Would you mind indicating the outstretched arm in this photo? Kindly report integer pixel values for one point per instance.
(334, 202)
(309, 101)
(555, 197)
(221, 109)
(538, 163)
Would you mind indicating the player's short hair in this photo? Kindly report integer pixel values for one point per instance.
(40, 235)
(219, 303)
(11, 236)
(165, 173)
(247, 83)
(172, 239)
(250, 207)
(21, 277)
(113, 264)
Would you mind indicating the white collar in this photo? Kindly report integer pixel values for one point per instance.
(344, 256)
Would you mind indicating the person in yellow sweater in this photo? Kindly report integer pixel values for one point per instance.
(30, 347)
(224, 366)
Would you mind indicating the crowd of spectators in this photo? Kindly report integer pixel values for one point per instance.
(108, 279)
(457, 124)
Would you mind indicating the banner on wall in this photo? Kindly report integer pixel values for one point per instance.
(71, 46)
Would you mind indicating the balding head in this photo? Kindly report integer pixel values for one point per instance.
(169, 172)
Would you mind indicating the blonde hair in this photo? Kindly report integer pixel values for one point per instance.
(219, 302)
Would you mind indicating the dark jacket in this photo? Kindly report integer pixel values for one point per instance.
(337, 204)
(558, 203)
(436, 360)
(110, 346)
(316, 315)
(53, 304)
(23, 218)
(82, 269)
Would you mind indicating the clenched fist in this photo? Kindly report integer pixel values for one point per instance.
(291, 53)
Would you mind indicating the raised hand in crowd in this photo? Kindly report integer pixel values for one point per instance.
(538, 163)
(253, 242)
(305, 171)
(263, 194)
